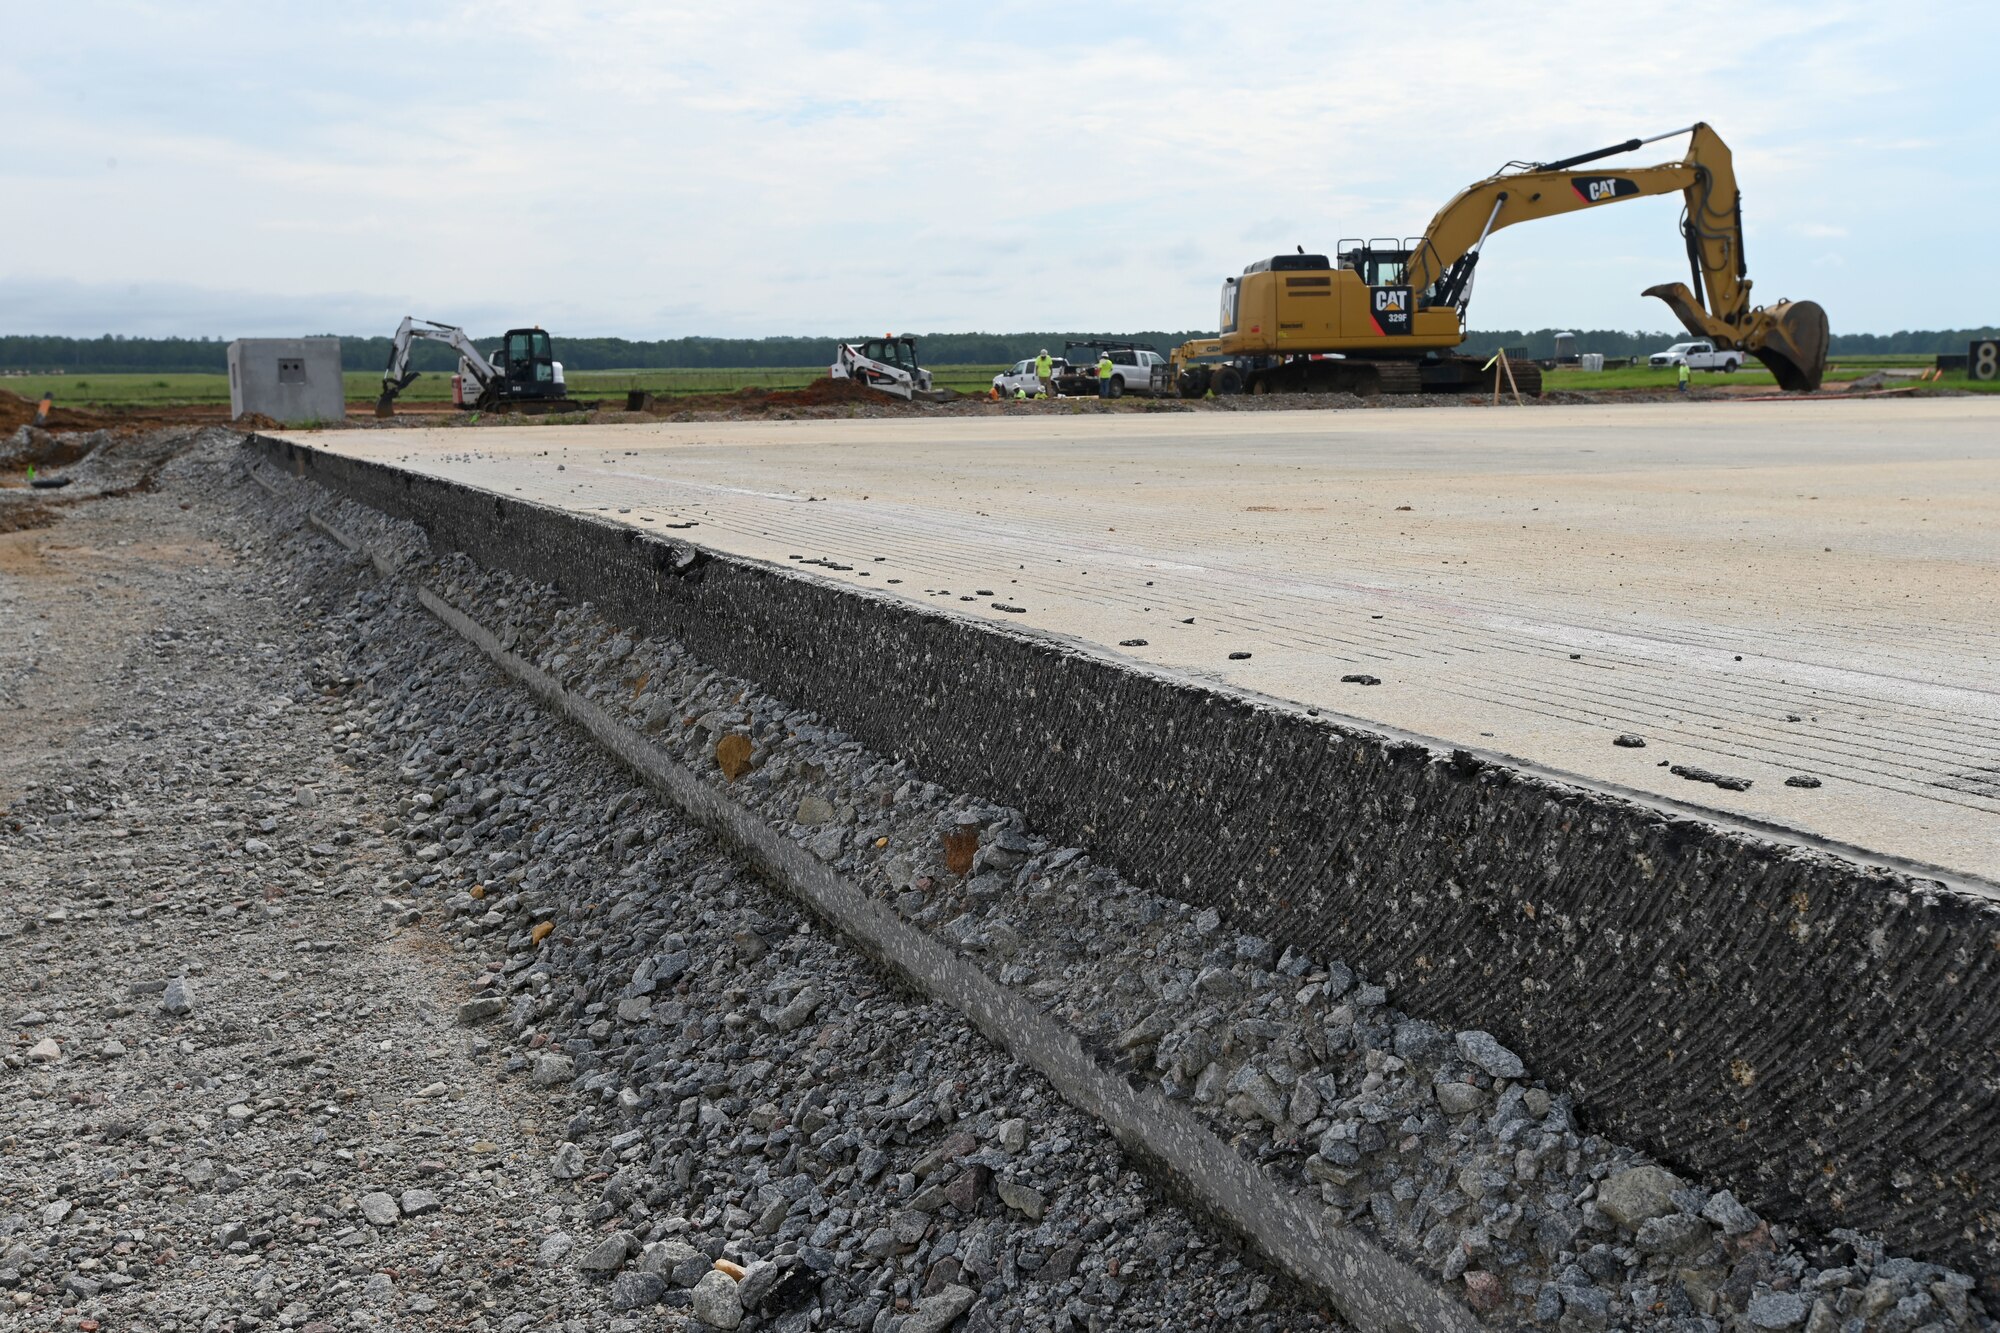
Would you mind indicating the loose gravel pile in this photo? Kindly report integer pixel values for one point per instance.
(1440, 1144)
(232, 1093)
(350, 991)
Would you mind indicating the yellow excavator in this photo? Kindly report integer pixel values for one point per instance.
(1385, 316)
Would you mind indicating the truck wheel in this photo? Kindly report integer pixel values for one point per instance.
(1228, 380)
(1729, 367)
(1117, 386)
(1193, 382)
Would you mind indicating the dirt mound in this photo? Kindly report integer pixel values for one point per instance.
(16, 411)
(828, 392)
(822, 392)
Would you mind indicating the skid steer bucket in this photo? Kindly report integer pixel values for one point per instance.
(1791, 338)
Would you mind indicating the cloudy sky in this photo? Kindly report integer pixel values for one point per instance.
(660, 169)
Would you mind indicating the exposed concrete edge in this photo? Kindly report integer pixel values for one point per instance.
(1790, 1020)
(1374, 1291)
(1764, 830)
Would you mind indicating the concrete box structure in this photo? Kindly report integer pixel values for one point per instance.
(290, 380)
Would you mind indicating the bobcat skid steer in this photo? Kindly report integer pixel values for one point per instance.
(888, 364)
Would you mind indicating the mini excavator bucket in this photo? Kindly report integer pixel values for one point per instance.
(1791, 338)
(385, 406)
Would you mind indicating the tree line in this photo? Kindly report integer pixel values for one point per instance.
(1539, 344)
(112, 354)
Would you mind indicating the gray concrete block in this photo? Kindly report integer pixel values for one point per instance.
(289, 380)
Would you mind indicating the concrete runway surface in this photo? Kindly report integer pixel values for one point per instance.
(1764, 590)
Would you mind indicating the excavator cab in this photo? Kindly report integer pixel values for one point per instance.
(528, 366)
(1381, 263)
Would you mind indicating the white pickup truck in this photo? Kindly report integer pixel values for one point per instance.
(1135, 368)
(1699, 355)
(1021, 377)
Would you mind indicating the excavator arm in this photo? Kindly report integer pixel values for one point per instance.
(397, 376)
(1789, 337)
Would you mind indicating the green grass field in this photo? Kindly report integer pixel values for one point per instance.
(100, 390)
(107, 390)
(1839, 370)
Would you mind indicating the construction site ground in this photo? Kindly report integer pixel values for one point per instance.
(1791, 597)
(323, 933)
(261, 1065)
(824, 398)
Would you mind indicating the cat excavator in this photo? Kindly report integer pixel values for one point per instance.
(1386, 315)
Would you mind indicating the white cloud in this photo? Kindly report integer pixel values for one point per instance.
(655, 170)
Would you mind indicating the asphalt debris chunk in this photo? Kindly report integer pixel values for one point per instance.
(1722, 780)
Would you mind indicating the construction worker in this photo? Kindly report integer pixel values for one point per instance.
(1683, 376)
(1104, 374)
(1045, 370)
(43, 408)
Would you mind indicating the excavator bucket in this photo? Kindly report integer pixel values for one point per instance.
(1793, 344)
(1789, 337)
(385, 406)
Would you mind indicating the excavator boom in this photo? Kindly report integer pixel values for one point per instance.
(1789, 337)
(397, 376)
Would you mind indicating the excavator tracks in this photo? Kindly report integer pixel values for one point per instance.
(1369, 379)
(1397, 377)
(1366, 379)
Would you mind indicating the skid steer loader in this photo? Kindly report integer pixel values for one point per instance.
(888, 364)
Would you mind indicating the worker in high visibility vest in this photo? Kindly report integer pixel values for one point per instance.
(1684, 376)
(1104, 374)
(1045, 370)
(43, 408)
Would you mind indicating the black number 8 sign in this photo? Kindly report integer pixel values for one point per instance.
(1983, 363)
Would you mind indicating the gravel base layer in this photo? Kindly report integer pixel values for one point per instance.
(1441, 1145)
(346, 990)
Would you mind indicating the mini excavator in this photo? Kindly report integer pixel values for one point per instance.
(1386, 315)
(522, 375)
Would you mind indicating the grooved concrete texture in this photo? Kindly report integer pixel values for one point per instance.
(1809, 1029)
(1760, 590)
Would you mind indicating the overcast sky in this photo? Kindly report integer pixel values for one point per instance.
(659, 169)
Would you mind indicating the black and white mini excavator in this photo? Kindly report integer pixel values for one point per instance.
(522, 374)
